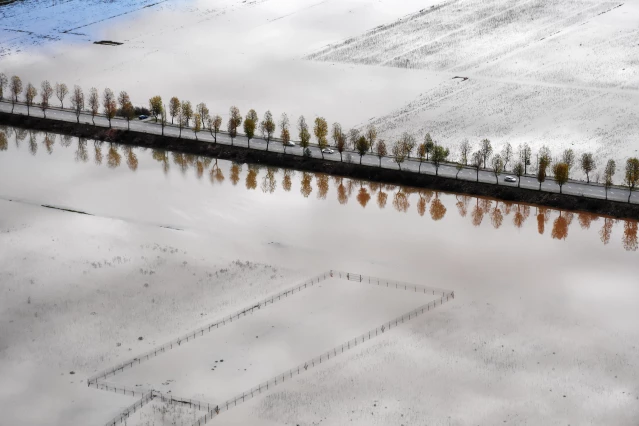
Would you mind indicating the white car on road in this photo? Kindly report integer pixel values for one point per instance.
(327, 151)
(510, 179)
(289, 143)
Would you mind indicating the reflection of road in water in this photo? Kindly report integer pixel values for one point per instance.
(272, 180)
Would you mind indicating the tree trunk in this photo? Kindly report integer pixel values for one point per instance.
(249, 142)
(560, 188)
(162, 130)
(360, 158)
(380, 161)
(399, 165)
(171, 119)
(519, 182)
(267, 142)
(195, 135)
(497, 180)
(128, 124)
(77, 116)
(477, 175)
(180, 133)
(62, 104)
(93, 119)
(44, 111)
(540, 185)
(420, 167)
(109, 123)
(587, 178)
(28, 113)
(13, 105)
(436, 170)
(630, 194)
(606, 193)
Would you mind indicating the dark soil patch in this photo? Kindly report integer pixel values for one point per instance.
(370, 173)
(108, 43)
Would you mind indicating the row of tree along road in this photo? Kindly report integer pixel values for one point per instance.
(182, 114)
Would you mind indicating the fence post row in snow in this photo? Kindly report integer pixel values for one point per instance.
(190, 336)
(213, 411)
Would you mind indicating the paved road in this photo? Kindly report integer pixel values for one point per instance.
(446, 170)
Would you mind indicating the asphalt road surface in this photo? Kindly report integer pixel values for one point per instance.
(572, 187)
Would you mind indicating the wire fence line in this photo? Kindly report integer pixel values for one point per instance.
(124, 415)
(214, 410)
(317, 361)
(207, 328)
(383, 282)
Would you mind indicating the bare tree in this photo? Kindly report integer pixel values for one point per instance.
(94, 103)
(46, 91)
(631, 178)
(123, 99)
(174, 107)
(61, 92)
(399, 153)
(464, 152)
(486, 150)
(155, 106)
(285, 133)
(187, 112)
(203, 110)
(267, 127)
(109, 105)
(336, 132)
(341, 144)
(525, 156)
(381, 151)
(4, 81)
(497, 166)
(29, 94)
(409, 143)
(476, 162)
(609, 173)
(321, 132)
(353, 136)
(16, 89)
(371, 136)
(568, 157)
(459, 166)
(507, 154)
(77, 101)
(587, 163)
(235, 119)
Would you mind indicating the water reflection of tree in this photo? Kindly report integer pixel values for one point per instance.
(4, 144)
(437, 208)
(477, 214)
(424, 198)
(236, 168)
(629, 239)
(66, 140)
(585, 219)
(496, 216)
(306, 188)
(560, 227)
(382, 197)
(216, 174)
(269, 184)
(33, 143)
(131, 158)
(21, 134)
(49, 142)
(81, 152)
(287, 181)
(606, 230)
(363, 197)
(521, 214)
(342, 193)
(543, 214)
(113, 157)
(251, 177)
(462, 204)
(321, 180)
(400, 201)
(160, 156)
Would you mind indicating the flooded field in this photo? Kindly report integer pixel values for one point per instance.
(545, 300)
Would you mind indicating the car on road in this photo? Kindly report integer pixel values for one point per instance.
(143, 117)
(289, 143)
(510, 179)
(327, 151)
